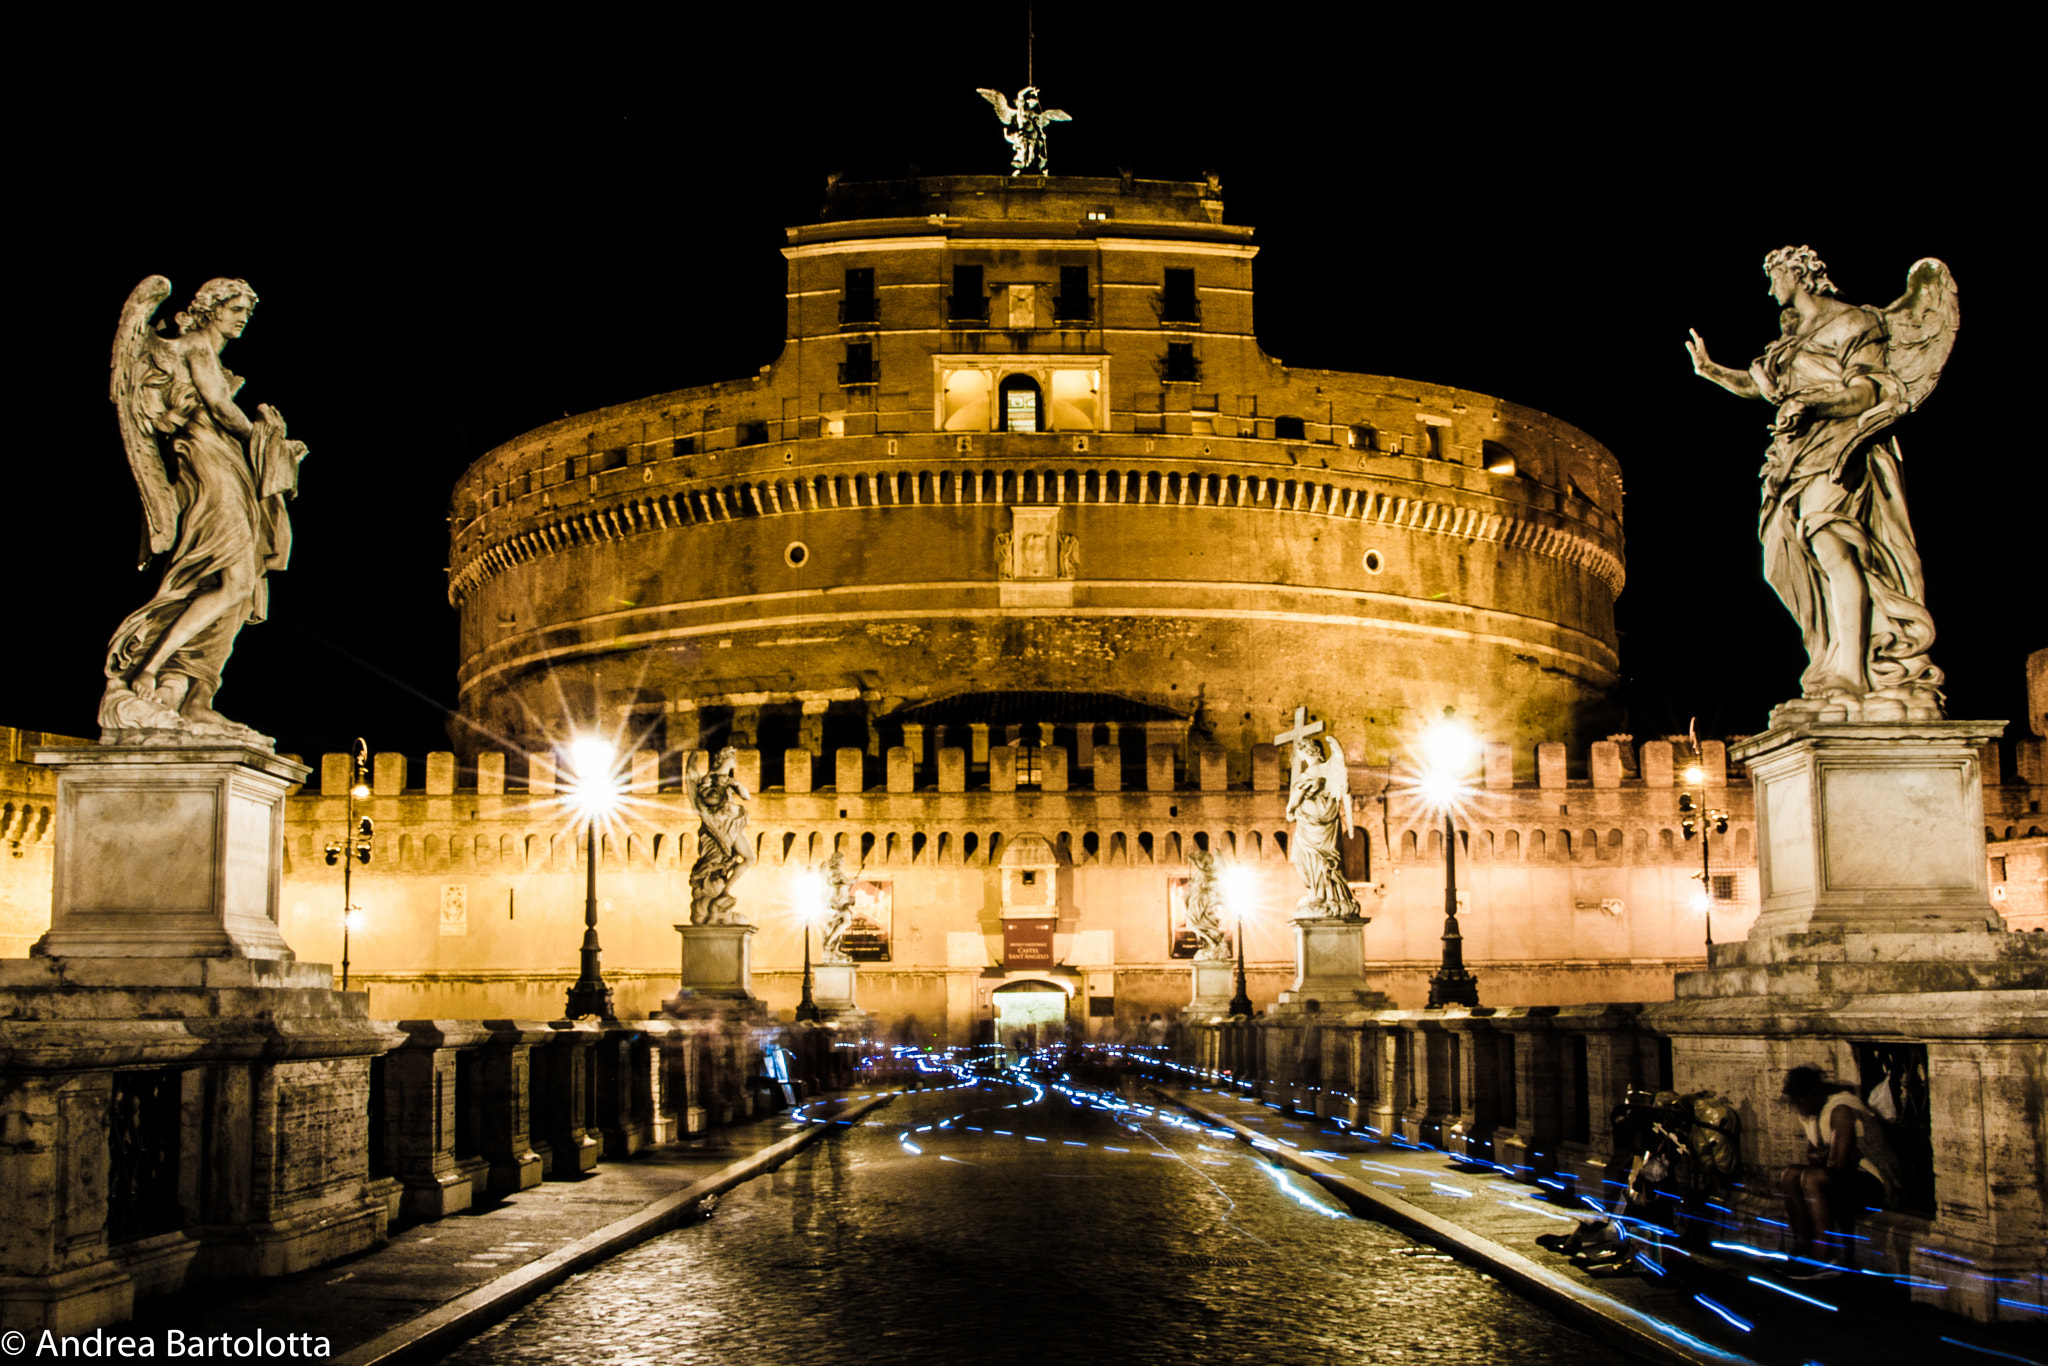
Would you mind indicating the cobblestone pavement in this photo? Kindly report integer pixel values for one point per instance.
(1009, 1222)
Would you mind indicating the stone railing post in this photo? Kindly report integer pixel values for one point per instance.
(430, 1108)
(504, 1088)
(559, 1111)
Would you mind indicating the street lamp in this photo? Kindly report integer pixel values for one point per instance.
(1448, 748)
(593, 793)
(814, 892)
(1237, 890)
(1696, 817)
(352, 848)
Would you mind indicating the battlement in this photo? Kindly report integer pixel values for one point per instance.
(1152, 756)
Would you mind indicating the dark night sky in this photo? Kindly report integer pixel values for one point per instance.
(458, 246)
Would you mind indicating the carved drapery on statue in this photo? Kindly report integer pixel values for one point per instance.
(722, 853)
(839, 912)
(215, 509)
(1838, 546)
(1204, 907)
(1319, 804)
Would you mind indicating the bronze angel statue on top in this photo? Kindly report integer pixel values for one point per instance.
(1024, 126)
(214, 485)
(1838, 546)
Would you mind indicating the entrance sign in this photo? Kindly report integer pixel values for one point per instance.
(1028, 943)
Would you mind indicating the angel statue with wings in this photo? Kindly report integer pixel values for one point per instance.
(214, 485)
(1204, 907)
(722, 850)
(1838, 547)
(1024, 126)
(1319, 804)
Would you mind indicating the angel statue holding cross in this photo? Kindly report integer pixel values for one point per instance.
(1319, 804)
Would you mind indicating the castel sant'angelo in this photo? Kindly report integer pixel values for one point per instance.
(1001, 581)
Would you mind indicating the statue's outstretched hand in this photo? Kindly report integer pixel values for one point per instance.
(1697, 349)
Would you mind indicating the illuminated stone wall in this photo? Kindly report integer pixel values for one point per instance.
(846, 533)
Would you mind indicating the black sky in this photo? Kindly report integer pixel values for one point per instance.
(459, 244)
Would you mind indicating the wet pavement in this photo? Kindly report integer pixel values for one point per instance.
(1013, 1221)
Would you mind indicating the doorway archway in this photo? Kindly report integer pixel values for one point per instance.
(1029, 1014)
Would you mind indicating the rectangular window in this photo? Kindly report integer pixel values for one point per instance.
(685, 445)
(1432, 441)
(1998, 868)
(968, 304)
(859, 367)
(750, 434)
(857, 303)
(1289, 429)
(1724, 886)
(1181, 366)
(1073, 304)
(1177, 301)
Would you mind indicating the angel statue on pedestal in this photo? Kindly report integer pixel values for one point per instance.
(1024, 126)
(1319, 804)
(1838, 547)
(722, 852)
(214, 504)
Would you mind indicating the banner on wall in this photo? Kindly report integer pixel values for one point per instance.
(1027, 942)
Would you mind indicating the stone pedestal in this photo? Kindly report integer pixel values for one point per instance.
(1329, 962)
(167, 851)
(1876, 927)
(833, 990)
(718, 961)
(1872, 827)
(1215, 985)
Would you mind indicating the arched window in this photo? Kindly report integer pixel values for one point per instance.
(1022, 405)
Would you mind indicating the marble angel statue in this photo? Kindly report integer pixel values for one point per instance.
(214, 485)
(838, 911)
(722, 852)
(1205, 907)
(1838, 547)
(1024, 126)
(1319, 804)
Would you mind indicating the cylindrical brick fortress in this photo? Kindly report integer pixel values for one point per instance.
(1022, 438)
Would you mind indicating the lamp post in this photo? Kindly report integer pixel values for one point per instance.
(352, 848)
(1237, 888)
(813, 888)
(1696, 817)
(594, 793)
(1448, 747)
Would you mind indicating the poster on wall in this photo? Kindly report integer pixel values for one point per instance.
(867, 934)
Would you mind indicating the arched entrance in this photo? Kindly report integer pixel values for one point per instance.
(1029, 1014)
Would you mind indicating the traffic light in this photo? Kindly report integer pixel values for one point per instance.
(1690, 826)
(1721, 825)
(1685, 801)
(333, 854)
